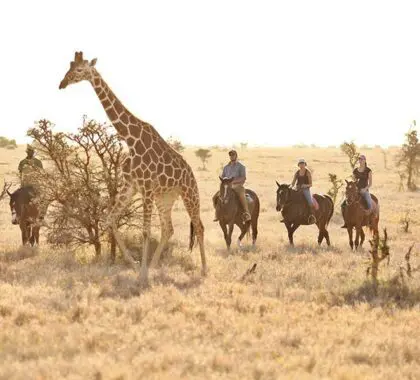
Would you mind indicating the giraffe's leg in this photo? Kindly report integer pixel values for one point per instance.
(147, 219)
(122, 201)
(192, 204)
(164, 203)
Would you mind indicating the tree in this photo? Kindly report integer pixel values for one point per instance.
(350, 150)
(7, 144)
(337, 184)
(175, 144)
(409, 157)
(203, 155)
(82, 183)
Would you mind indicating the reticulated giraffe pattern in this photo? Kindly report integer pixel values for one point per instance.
(152, 167)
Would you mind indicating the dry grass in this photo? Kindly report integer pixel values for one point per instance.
(305, 312)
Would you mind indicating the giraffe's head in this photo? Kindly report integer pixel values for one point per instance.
(80, 69)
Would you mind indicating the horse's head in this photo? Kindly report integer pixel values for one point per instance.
(283, 195)
(18, 199)
(351, 192)
(225, 191)
(15, 206)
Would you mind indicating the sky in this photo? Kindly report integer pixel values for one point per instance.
(219, 72)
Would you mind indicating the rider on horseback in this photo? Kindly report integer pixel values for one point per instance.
(30, 169)
(234, 169)
(303, 181)
(363, 178)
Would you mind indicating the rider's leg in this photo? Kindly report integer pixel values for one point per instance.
(308, 196)
(240, 190)
(368, 198)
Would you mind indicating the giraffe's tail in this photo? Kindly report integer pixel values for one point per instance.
(192, 236)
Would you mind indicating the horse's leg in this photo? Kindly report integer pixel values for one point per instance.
(254, 226)
(327, 236)
(225, 234)
(320, 231)
(244, 228)
(362, 236)
(294, 228)
(31, 235)
(358, 228)
(350, 232)
(24, 232)
(231, 226)
(289, 232)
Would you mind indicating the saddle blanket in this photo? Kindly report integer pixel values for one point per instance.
(316, 204)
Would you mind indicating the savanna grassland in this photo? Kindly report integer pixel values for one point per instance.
(306, 312)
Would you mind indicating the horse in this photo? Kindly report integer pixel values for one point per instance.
(230, 211)
(294, 209)
(25, 213)
(355, 214)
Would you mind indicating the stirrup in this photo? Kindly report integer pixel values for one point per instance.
(311, 219)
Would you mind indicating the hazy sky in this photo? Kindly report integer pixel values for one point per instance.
(219, 72)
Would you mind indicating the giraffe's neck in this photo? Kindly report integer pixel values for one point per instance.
(119, 116)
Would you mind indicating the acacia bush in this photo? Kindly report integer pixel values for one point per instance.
(6, 143)
(409, 157)
(81, 182)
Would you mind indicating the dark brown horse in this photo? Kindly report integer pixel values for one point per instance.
(25, 213)
(356, 215)
(295, 211)
(230, 211)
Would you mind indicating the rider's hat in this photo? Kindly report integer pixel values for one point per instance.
(362, 156)
(30, 148)
(233, 152)
(301, 161)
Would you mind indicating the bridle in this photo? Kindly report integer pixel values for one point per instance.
(352, 198)
(225, 198)
(280, 192)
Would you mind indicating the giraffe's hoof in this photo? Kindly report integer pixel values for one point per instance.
(204, 271)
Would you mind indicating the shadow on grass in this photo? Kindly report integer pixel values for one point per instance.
(389, 293)
(314, 249)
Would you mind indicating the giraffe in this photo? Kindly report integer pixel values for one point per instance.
(152, 168)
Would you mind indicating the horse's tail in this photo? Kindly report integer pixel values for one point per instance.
(331, 211)
(374, 221)
(247, 229)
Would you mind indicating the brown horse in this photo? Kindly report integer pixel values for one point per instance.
(356, 215)
(25, 213)
(295, 211)
(230, 211)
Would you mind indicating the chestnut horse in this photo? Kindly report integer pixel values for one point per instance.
(25, 213)
(294, 209)
(356, 215)
(230, 211)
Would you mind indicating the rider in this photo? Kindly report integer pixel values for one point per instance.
(234, 169)
(30, 169)
(303, 181)
(363, 178)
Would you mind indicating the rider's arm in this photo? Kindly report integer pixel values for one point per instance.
(294, 180)
(241, 178)
(308, 173)
(369, 180)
